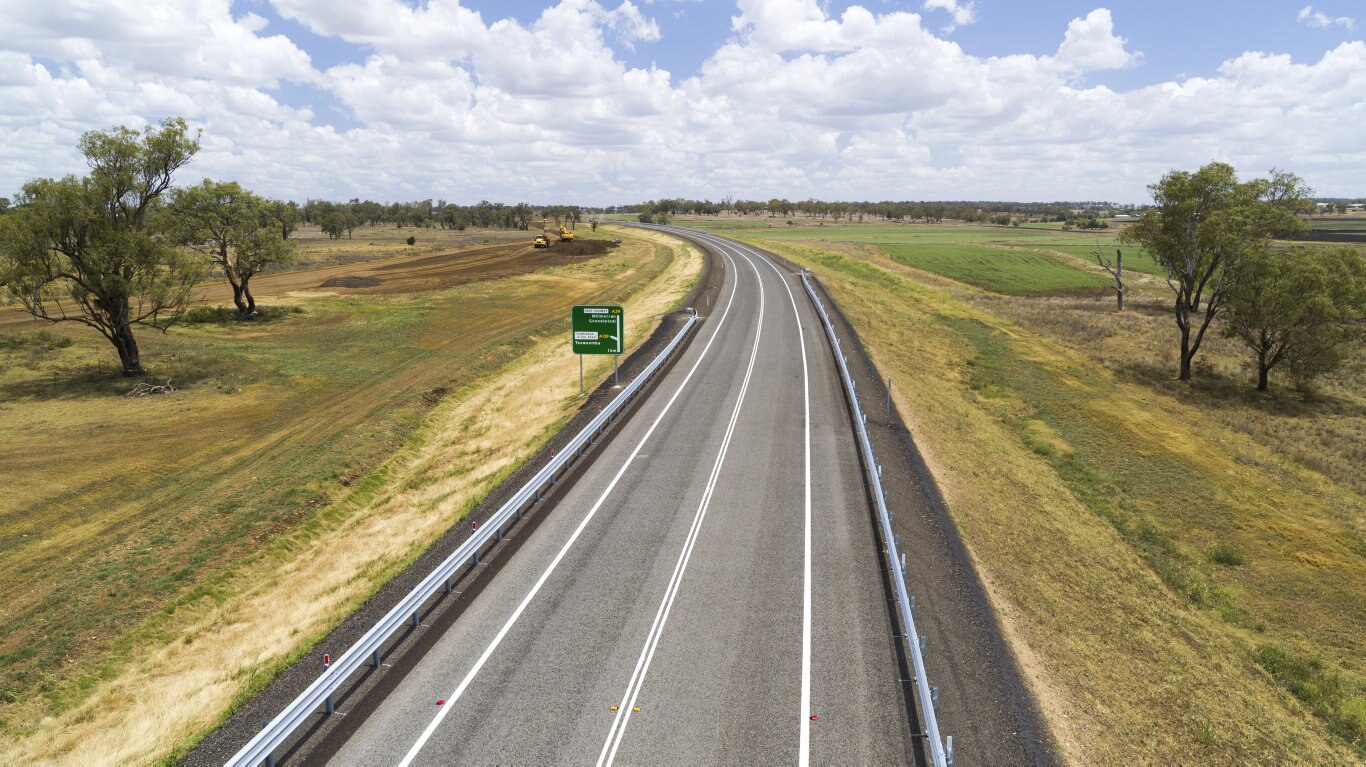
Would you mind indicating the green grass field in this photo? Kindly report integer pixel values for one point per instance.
(1341, 229)
(1013, 272)
(1037, 260)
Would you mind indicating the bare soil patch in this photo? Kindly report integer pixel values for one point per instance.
(351, 282)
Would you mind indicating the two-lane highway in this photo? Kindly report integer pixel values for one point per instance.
(708, 592)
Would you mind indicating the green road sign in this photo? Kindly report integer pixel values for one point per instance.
(597, 329)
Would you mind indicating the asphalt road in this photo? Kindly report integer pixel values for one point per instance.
(713, 577)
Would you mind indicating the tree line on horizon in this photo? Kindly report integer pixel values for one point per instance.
(1086, 215)
(122, 247)
(336, 218)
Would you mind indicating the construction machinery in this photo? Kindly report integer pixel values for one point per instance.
(541, 241)
(565, 234)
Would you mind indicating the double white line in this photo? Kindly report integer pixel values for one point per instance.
(804, 740)
(647, 653)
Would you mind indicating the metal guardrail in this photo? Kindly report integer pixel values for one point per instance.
(260, 749)
(941, 754)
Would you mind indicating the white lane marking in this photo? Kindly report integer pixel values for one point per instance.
(498, 638)
(647, 652)
(804, 743)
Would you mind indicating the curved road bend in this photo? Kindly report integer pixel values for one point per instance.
(714, 576)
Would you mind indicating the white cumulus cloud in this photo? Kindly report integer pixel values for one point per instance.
(962, 12)
(438, 100)
(1310, 17)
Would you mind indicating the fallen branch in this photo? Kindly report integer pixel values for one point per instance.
(144, 389)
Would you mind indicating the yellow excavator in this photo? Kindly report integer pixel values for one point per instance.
(565, 234)
(541, 241)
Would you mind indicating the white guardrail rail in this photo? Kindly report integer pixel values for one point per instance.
(941, 754)
(261, 748)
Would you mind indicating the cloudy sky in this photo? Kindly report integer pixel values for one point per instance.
(613, 102)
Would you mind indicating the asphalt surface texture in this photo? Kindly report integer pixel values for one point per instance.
(671, 603)
(660, 615)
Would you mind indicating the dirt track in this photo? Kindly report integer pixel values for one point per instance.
(397, 274)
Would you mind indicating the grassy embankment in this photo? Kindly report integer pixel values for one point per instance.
(153, 545)
(1181, 569)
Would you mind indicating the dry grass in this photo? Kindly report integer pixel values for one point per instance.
(1091, 502)
(1326, 433)
(170, 674)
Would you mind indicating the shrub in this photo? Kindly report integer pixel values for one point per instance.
(412, 240)
(199, 315)
(44, 340)
(1225, 554)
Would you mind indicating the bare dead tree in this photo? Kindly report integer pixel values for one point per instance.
(1116, 270)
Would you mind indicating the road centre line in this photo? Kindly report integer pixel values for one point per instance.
(647, 652)
(804, 744)
(454, 697)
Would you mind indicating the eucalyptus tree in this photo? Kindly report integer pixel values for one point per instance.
(237, 230)
(1201, 226)
(1301, 307)
(89, 249)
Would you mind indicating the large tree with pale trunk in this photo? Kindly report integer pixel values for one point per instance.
(89, 249)
(1201, 226)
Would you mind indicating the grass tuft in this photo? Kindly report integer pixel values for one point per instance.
(1226, 554)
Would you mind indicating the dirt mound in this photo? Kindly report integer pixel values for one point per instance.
(582, 248)
(351, 281)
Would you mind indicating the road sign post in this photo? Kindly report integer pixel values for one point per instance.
(597, 330)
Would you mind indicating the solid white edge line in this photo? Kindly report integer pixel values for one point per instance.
(498, 638)
(623, 717)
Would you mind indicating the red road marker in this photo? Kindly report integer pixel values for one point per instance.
(814, 717)
(474, 525)
(327, 660)
(441, 703)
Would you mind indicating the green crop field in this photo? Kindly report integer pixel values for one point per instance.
(1344, 229)
(1025, 260)
(1002, 270)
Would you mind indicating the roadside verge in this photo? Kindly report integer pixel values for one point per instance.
(316, 739)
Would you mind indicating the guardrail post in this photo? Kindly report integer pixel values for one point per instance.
(329, 706)
(948, 755)
(922, 643)
(415, 619)
(497, 534)
(934, 697)
(912, 596)
(903, 574)
(448, 585)
(374, 659)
